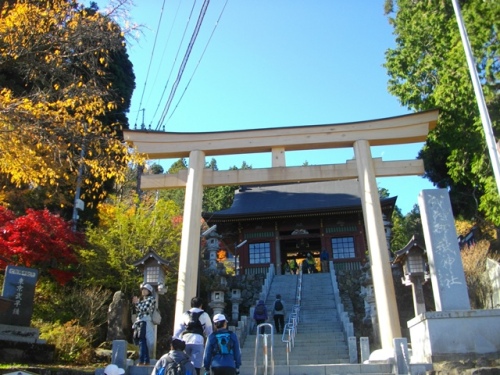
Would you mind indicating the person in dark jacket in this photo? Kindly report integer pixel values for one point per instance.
(177, 355)
(279, 315)
(213, 359)
(324, 258)
(260, 314)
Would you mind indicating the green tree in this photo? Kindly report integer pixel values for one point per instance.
(214, 198)
(383, 193)
(156, 168)
(175, 195)
(219, 197)
(127, 230)
(428, 70)
(404, 227)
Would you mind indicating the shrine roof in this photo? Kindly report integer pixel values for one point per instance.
(325, 196)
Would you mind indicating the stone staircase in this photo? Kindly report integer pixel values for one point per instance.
(320, 346)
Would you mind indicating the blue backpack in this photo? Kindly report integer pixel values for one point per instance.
(224, 343)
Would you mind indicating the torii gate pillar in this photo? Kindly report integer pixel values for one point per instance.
(187, 280)
(387, 311)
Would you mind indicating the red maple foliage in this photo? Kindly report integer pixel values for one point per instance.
(39, 239)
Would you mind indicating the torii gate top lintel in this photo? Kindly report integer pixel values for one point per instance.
(410, 128)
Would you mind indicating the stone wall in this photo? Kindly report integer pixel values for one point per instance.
(351, 284)
(250, 286)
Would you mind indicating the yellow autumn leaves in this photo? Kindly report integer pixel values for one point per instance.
(56, 102)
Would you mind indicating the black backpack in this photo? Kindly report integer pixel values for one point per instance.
(278, 306)
(194, 325)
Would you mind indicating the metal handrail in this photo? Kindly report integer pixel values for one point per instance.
(290, 329)
(264, 337)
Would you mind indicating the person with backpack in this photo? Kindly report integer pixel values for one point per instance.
(279, 314)
(175, 362)
(222, 353)
(260, 314)
(195, 325)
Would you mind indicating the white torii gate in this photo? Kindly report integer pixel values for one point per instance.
(359, 135)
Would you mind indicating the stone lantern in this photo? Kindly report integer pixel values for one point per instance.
(413, 260)
(212, 246)
(154, 269)
(217, 301)
(235, 300)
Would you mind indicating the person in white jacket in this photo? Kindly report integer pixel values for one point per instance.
(194, 326)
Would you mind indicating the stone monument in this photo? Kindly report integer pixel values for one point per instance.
(453, 331)
(15, 318)
(118, 318)
(19, 288)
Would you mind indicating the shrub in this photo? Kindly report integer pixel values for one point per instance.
(73, 342)
(478, 284)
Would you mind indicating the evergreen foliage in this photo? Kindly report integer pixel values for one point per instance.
(427, 69)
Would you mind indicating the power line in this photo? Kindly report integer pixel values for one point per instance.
(150, 61)
(199, 61)
(184, 61)
(167, 43)
(176, 56)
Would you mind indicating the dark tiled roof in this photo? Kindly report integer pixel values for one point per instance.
(294, 198)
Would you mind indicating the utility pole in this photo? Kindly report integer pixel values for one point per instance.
(140, 168)
(78, 203)
(483, 109)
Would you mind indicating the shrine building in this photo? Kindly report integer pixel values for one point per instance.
(278, 223)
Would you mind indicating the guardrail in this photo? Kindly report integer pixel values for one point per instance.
(290, 329)
(266, 348)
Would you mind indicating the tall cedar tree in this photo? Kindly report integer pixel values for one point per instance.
(428, 69)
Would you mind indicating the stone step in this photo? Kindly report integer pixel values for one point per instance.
(340, 369)
(319, 340)
(301, 342)
(330, 358)
(300, 351)
(311, 329)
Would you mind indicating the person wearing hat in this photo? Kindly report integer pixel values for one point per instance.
(143, 326)
(222, 352)
(113, 370)
(176, 356)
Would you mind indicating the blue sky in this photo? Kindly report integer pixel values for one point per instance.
(268, 64)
